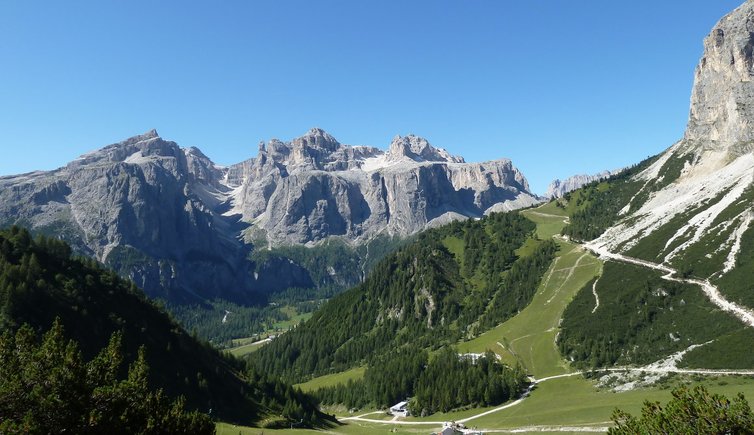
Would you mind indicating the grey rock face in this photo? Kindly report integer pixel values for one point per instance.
(418, 149)
(314, 187)
(704, 178)
(179, 225)
(722, 100)
(142, 206)
(558, 188)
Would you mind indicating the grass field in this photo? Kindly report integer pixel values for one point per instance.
(351, 428)
(333, 379)
(247, 345)
(572, 401)
(529, 337)
(576, 401)
(549, 218)
(245, 349)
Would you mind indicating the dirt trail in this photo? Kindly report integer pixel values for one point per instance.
(745, 315)
(568, 277)
(565, 219)
(534, 382)
(596, 296)
(712, 292)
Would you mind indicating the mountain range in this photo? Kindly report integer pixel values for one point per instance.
(558, 188)
(182, 227)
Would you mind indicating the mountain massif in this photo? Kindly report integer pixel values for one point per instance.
(182, 227)
(691, 206)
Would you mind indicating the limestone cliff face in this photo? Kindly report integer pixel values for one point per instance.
(180, 226)
(314, 187)
(143, 206)
(722, 100)
(706, 178)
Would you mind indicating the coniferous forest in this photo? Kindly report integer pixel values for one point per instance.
(451, 283)
(44, 288)
(440, 383)
(47, 387)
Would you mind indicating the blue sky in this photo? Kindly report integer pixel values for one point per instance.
(559, 87)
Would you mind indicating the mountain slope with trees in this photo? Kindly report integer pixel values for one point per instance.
(47, 388)
(451, 283)
(40, 282)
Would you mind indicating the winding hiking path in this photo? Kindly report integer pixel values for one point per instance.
(712, 292)
(568, 277)
(745, 315)
(596, 296)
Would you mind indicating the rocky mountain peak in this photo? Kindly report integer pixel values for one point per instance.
(151, 134)
(694, 195)
(132, 150)
(196, 152)
(318, 139)
(419, 149)
(312, 150)
(172, 220)
(722, 100)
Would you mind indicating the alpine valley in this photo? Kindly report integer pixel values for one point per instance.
(349, 280)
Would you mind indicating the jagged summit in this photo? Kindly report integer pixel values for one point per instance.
(558, 188)
(419, 149)
(146, 144)
(318, 149)
(151, 134)
(144, 137)
(186, 218)
(315, 187)
(316, 137)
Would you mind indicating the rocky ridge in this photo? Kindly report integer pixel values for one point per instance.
(182, 227)
(314, 187)
(558, 188)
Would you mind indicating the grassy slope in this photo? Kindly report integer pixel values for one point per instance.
(529, 337)
(247, 345)
(333, 379)
(245, 349)
(575, 401)
(572, 400)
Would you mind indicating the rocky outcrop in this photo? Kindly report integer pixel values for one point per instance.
(182, 227)
(558, 188)
(694, 202)
(722, 108)
(313, 188)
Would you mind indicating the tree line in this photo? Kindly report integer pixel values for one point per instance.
(443, 382)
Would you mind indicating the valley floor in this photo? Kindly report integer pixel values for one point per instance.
(561, 400)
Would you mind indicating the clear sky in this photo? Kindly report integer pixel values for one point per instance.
(560, 87)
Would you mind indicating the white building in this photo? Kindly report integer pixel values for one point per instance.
(400, 409)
